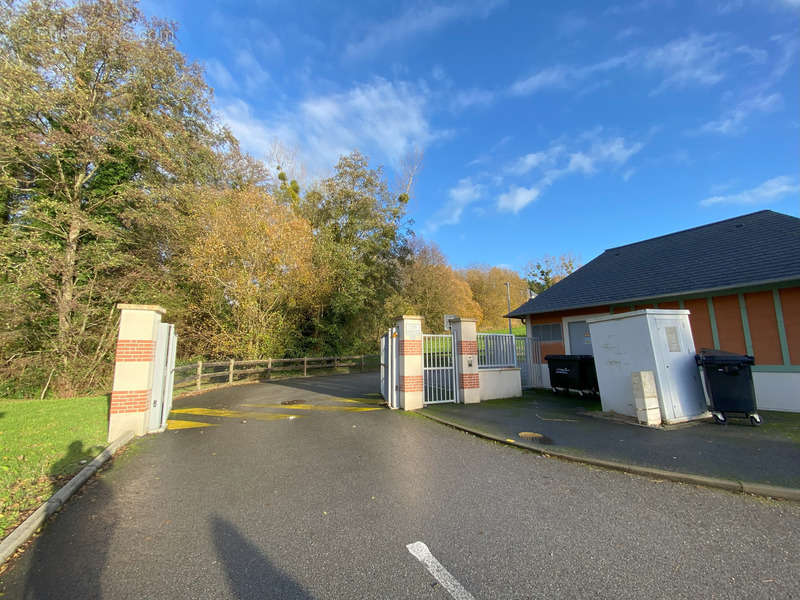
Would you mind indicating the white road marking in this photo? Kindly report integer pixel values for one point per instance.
(420, 551)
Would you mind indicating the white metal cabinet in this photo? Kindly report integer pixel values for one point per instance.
(648, 340)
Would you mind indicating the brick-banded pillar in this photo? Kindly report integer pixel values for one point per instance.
(466, 336)
(133, 369)
(409, 361)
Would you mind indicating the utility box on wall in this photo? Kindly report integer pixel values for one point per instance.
(648, 340)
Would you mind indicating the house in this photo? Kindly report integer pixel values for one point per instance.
(739, 278)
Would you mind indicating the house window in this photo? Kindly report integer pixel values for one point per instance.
(549, 332)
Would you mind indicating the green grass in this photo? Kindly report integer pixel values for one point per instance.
(780, 425)
(516, 329)
(41, 444)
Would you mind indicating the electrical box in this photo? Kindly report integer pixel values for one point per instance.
(648, 340)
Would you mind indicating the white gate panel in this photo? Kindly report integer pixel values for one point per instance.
(163, 377)
(439, 376)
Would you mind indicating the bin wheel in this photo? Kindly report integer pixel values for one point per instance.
(755, 420)
(719, 418)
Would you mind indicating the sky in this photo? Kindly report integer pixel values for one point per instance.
(545, 127)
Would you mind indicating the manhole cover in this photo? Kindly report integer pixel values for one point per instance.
(537, 437)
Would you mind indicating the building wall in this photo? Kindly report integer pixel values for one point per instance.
(790, 302)
(761, 322)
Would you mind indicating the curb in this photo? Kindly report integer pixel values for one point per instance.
(29, 526)
(731, 485)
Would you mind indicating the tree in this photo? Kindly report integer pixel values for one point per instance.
(488, 285)
(250, 275)
(549, 270)
(359, 244)
(101, 118)
(431, 288)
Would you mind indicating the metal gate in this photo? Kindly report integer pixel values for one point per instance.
(163, 377)
(529, 360)
(439, 369)
(389, 368)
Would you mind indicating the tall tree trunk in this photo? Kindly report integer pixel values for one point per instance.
(67, 292)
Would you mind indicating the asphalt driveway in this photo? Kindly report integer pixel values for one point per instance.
(253, 503)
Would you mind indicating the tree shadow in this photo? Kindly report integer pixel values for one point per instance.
(68, 558)
(249, 572)
(357, 385)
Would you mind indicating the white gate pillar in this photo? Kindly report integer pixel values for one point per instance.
(133, 369)
(409, 362)
(466, 337)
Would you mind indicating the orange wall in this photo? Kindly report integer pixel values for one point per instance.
(555, 317)
(729, 323)
(700, 322)
(763, 328)
(760, 314)
(790, 303)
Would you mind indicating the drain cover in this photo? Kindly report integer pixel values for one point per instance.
(537, 437)
(287, 402)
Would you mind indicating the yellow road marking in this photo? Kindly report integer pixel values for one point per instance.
(233, 414)
(313, 407)
(176, 424)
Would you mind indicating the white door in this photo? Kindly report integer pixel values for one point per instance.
(679, 378)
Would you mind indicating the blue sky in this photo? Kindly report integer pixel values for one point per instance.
(546, 127)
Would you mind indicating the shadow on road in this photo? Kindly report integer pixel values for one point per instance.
(361, 385)
(67, 561)
(249, 572)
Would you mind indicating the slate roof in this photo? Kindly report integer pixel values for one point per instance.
(761, 247)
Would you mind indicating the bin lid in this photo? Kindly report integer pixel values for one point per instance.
(722, 357)
(569, 357)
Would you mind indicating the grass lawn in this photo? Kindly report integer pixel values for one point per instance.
(41, 445)
(516, 329)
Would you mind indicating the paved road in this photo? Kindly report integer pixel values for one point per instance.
(736, 451)
(323, 506)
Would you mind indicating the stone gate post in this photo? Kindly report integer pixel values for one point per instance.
(409, 361)
(466, 337)
(133, 369)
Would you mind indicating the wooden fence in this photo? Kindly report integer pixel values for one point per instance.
(228, 371)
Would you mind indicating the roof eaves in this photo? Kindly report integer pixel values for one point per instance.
(515, 314)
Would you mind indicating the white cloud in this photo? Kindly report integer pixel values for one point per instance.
(417, 20)
(220, 75)
(627, 32)
(255, 77)
(472, 97)
(695, 59)
(556, 162)
(535, 159)
(383, 119)
(516, 198)
(549, 78)
(770, 191)
(700, 60)
(459, 198)
(732, 122)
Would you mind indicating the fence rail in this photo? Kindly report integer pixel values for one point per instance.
(228, 371)
(496, 350)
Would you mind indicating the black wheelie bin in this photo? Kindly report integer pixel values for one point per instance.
(728, 383)
(572, 372)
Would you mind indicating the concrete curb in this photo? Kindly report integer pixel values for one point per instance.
(731, 485)
(29, 526)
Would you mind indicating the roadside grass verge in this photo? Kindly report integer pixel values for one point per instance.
(42, 444)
